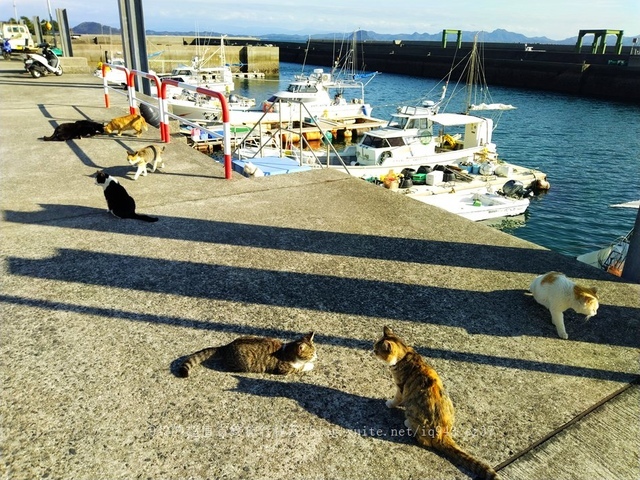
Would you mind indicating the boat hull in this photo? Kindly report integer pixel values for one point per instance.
(476, 206)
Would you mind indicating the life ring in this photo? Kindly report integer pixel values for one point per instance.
(385, 155)
(425, 136)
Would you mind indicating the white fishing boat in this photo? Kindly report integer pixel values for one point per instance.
(195, 106)
(423, 135)
(335, 96)
(217, 79)
(321, 95)
(476, 205)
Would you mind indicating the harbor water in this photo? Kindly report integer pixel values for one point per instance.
(589, 148)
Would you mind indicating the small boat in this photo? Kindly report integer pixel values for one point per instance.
(201, 108)
(197, 107)
(612, 257)
(113, 75)
(476, 205)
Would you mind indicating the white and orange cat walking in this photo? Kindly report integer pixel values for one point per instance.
(151, 154)
(556, 292)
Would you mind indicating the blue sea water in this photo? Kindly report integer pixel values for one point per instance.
(589, 148)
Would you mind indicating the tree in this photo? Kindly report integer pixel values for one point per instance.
(29, 24)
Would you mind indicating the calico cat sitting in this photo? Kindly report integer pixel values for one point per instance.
(556, 292)
(258, 355)
(128, 122)
(151, 154)
(119, 202)
(77, 129)
(428, 409)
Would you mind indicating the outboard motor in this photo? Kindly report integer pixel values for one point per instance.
(514, 189)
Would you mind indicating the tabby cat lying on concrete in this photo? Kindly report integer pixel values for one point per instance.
(258, 355)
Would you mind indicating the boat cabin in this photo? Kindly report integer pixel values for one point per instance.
(416, 133)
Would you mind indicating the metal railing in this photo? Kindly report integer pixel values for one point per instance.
(165, 115)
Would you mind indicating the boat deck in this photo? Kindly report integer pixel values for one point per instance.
(311, 130)
(468, 181)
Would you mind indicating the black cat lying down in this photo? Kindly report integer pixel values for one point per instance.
(78, 129)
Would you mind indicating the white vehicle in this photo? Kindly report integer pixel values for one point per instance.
(18, 36)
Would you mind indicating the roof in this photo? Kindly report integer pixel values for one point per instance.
(450, 119)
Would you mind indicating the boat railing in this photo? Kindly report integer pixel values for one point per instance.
(283, 131)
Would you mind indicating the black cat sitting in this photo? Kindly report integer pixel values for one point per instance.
(119, 202)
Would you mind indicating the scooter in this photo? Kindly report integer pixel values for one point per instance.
(6, 49)
(39, 65)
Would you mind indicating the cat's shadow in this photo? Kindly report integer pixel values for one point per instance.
(351, 413)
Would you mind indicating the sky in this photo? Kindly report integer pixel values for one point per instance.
(554, 19)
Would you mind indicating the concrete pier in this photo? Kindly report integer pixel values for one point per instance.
(96, 311)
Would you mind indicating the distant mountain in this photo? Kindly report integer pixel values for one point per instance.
(93, 28)
(497, 36)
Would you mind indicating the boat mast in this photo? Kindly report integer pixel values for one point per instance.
(471, 73)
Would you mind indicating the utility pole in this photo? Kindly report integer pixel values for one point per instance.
(133, 38)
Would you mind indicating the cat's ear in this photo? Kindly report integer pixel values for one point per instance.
(309, 336)
(594, 290)
(387, 331)
(386, 346)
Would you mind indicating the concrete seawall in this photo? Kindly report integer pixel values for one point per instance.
(547, 68)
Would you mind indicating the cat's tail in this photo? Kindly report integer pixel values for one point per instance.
(195, 359)
(453, 452)
(144, 218)
(49, 139)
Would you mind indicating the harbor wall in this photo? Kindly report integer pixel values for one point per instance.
(556, 68)
(178, 50)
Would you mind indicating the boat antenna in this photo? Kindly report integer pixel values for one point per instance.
(306, 51)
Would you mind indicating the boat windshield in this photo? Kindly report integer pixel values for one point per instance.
(378, 142)
(405, 123)
(296, 88)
